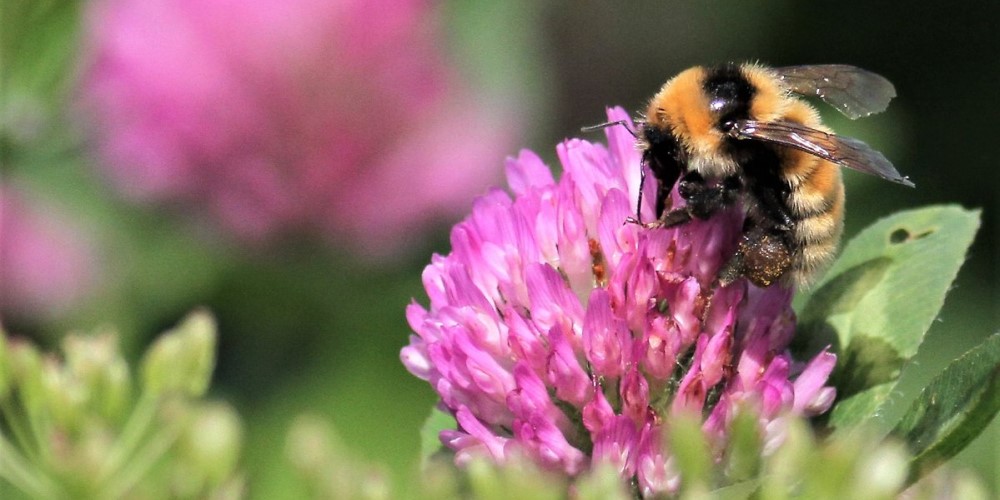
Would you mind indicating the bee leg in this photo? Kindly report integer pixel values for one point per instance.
(703, 199)
(675, 217)
(762, 256)
(638, 204)
(662, 197)
(672, 218)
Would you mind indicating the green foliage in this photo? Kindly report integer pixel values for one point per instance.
(601, 483)
(953, 409)
(800, 465)
(182, 360)
(326, 470)
(854, 466)
(874, 307)
(743, 459)
(37, 50)
(430, 443)
(37, 43)
(879, 299)
(694, 458)
(71, 427)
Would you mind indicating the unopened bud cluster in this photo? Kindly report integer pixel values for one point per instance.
(77, 427)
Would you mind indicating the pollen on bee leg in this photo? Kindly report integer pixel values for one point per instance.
(761, 257)
(732, 270)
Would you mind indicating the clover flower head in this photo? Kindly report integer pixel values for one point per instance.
(293, 115)
(48, 264)
(557, 329)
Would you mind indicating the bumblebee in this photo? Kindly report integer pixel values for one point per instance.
(738, 133)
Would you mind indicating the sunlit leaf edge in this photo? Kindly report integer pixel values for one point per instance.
(953, 409)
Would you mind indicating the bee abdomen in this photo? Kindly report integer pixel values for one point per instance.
(810, 261)
(817, 229)
(816, 191)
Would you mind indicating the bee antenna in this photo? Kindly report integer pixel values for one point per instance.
(602, 126)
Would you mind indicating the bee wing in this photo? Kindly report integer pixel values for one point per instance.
(844, 151)
(853, 91)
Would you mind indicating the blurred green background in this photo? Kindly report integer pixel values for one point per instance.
(309, 325)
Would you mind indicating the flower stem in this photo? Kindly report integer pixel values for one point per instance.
(17, 470)
(19, 431)
(142, 461)
(136, 427)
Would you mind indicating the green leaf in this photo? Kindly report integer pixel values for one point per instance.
(38, 42)
(518, 478)
(602, 482)
(953, 409)
(742, 489)
(879, 299)
(430, 443)
(742, 459)
(39, 52)
(691, 452)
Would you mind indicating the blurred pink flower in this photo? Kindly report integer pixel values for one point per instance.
(47, 264)
(342, 117)
(556, 328)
